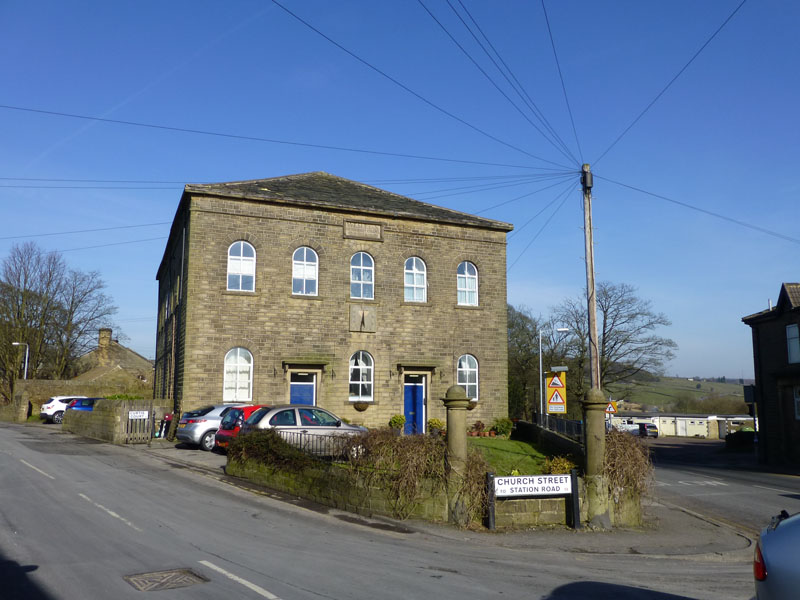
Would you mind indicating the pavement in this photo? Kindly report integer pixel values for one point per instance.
(668, 530)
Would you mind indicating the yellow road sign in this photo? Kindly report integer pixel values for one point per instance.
(556, 393)
(611, 409)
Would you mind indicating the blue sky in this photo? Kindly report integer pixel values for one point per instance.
(722, 138)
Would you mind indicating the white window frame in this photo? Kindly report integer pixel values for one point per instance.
(464, 369)
(362, 375)
(793, 343)
(415, 280)
(237, 384)
(305, 270)
(241, 266)
(361, 275)
(467, 284)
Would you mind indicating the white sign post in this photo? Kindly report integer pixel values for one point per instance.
(137, 414)
(536, 486)
(532, 485)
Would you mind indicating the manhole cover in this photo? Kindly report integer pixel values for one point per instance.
(164, 580)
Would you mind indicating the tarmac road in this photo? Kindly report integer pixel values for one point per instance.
(77, 516)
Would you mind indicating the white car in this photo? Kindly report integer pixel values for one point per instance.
(53, 410)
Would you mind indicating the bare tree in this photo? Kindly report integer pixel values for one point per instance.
(83, 308)
(628, 344)
(53, 310)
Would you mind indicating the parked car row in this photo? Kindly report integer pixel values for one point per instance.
(53, 410)
(309, 427)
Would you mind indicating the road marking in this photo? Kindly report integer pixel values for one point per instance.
(761, 487)
(251, 586)
(27, 464)
(110, 512)
(709, 482)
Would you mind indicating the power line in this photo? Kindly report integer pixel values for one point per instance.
(469, 189)
(565, 194)
(486, 75)
(409, 90)
(671, 81)
(16, 237)
(519, 198)
(704, 211)
(82, 187)
(251, 138)
(113, 244)
(53, 179)
(561, 76)
(516, 85)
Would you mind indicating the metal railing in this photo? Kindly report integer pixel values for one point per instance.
(566, 427)
(323, 446)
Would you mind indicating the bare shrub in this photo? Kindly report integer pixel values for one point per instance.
(627, 464)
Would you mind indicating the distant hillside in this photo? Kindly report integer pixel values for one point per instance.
(663, 392)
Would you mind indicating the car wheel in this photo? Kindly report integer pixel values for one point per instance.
(58, 417)
(207, 441)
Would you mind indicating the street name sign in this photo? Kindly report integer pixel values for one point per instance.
(532, 485)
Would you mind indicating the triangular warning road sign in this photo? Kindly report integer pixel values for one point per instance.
(555, 382)
(556, 398)
(611, 408)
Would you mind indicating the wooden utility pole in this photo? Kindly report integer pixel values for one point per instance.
(594, 403)
(594, 354)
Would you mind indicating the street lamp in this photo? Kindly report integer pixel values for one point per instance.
(27, 348)
(541, 372)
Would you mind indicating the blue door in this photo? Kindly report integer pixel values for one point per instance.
(303, 388)
(414, 404)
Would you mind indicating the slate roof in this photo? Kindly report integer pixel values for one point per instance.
(327, 191)
(788, 300)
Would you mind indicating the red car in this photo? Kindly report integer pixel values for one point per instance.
(229, 428)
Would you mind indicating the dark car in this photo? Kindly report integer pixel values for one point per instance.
(648, 430)
(232, 423)
(775, 562)
(84, 404)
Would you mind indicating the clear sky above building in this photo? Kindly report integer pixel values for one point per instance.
(686, 112)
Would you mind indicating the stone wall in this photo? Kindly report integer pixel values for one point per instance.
(29, 395)
(108, 419)
(331, 485)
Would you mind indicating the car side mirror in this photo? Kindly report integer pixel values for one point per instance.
(339, 423)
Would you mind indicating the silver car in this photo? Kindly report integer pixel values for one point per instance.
(199, 426)
(314, 430)
(775, 567)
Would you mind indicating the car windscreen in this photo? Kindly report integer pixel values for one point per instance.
(200, 412)
(257, 416)
(229, 422)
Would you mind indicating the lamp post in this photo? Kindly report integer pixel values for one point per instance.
(27, 349)
(541, 372)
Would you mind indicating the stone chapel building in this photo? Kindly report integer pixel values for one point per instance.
(319, 290)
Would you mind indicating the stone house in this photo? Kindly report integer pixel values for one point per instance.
(776, 356)
(319, 290)
(112, 362)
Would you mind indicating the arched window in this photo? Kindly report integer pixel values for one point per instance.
(238, 380)
(415, 286)
(362, 276)
(241, 267)
(468, 375)
(467, 284)
(361, 373)
(304, 272)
